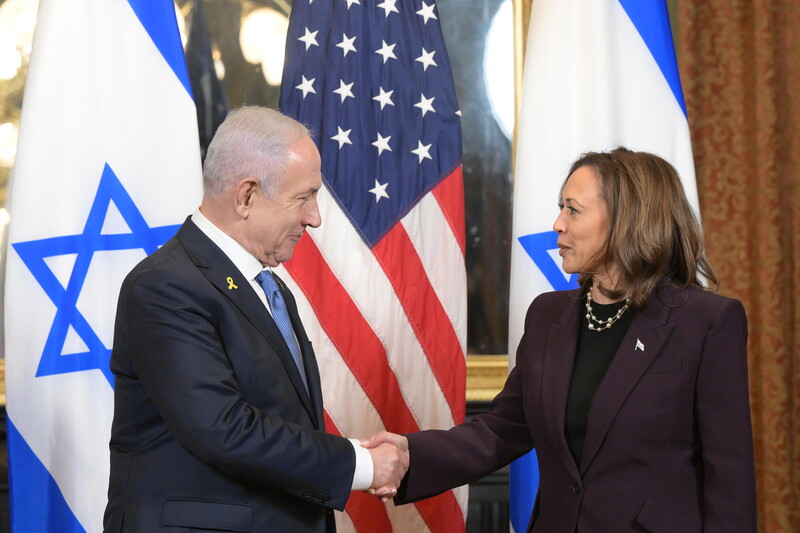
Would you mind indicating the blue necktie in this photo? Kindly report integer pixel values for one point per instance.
(278, 307)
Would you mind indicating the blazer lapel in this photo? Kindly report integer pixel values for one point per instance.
(224, 275)
(559, 359)
(641, 344)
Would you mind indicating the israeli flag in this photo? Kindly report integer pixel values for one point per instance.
(598, 74)
(108, 166)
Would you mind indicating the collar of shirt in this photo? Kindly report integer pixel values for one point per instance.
(248, 265)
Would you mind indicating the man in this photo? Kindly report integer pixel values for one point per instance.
(218, 421)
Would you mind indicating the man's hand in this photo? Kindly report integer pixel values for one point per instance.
(390, 460)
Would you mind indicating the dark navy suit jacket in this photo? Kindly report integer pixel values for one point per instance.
(213, 428)
(668, 445)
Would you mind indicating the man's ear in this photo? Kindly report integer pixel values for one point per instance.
(245, 192)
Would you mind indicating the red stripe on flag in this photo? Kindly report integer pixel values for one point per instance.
(369, 514)
(351, 334)
(442, 514)
(366, 511)
(399, 259)
(450, 195)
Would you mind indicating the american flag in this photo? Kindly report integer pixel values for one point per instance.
(381, 285)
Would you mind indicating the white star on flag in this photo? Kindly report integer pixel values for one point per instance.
(344, 90)
(310, 38)
(351, 2)
(307, 86)
(387, 51)
(385, 98)
(382, 143)
(422, 151)
(343, 137)
(347, 44)
(379, 191)
(425, 104)
(427, 12)
(388, 6)
(427, 59)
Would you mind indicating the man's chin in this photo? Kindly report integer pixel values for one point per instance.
(270, 261)
(282, 256)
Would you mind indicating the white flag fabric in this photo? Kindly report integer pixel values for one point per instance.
(598, 74)
(108, 165)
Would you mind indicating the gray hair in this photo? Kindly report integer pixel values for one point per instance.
(253, 142)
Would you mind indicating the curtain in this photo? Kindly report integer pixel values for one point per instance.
(740, 67)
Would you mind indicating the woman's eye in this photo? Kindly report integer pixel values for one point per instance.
(572, 210)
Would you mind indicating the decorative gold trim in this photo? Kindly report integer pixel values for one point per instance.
(522, 17)
(486, 375)
(2, 382)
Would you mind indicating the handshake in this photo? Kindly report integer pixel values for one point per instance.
(390, 460)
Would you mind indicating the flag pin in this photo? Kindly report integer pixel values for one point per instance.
(231, 285)
(639, 345)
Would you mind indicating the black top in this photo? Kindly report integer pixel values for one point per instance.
(593, 356)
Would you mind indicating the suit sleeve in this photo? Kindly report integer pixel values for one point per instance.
(442, 460)
(723, 417)
(177, 354)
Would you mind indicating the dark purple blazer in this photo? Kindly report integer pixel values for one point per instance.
(668, 445)
(213, 429)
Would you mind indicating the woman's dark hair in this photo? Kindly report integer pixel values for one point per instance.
(653, 231)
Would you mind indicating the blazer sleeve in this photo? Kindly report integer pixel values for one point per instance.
(723, 418)
(442, 460)
(175, 349)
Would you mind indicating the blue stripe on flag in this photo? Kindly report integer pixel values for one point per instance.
(158, 19)
(651, 20)
(537, 246)
(523, 484)
(37, 505)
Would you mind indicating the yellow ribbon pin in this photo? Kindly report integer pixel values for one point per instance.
(231, 285)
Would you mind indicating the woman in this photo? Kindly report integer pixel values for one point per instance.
(632, 388)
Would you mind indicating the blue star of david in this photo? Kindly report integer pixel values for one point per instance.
(537, 245)
(84, 245)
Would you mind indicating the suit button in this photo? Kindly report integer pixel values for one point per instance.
(576, 488)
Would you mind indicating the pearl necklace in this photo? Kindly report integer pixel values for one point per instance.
(602, 324)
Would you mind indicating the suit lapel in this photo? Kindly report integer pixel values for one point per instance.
(557, 374)
(224, 275)
(641, 344)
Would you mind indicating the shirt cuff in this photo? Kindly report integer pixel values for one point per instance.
(362, 477)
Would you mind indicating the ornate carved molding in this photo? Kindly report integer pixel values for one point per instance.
(486, 375)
